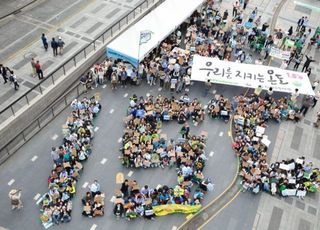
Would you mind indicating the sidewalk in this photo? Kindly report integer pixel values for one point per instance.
(294, 140)
(78, 22)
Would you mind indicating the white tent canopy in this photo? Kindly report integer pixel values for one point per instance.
(154, 28)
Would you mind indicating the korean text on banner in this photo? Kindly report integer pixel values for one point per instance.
(249, 75)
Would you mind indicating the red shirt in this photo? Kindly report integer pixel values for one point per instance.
(37, 66)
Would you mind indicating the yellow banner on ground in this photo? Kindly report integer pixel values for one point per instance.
(162, 210)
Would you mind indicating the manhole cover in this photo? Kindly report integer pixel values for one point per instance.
(205, 216)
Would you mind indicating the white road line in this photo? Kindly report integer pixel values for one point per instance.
(55, 136)
(159, 89)
(112, 199)
(130, 173)
(103, 161)
(34, 158)
(85, 184)
(125, 95)
(11, 182)
(37, 196)
(120, 139)
(93, 227)
(96, 129)
(174, 228)
(220, 134)
(104, 86)
(111, 111)
(211, 154)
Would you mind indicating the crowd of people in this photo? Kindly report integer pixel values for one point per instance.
(286, 178)
(68, 158)
(144, 146)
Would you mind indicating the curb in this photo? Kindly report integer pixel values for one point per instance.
(18, 10)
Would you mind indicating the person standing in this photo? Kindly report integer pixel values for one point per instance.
(54, 46)
(33, 66)
(316, 98)
(299, 24)
(235, 8)
(94, 188)
(268, 94)
(15, 199)
(44, 42)
(298, 59)
(13, 79)
(3, 72)
(245, 3)
(307, 63)
(185, 130)
(39, 70)
(306, 104)
(60, 45)
(315, 84)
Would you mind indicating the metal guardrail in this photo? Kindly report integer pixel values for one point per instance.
(41, 121)
(62, 70)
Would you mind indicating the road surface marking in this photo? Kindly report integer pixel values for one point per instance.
(93, 227)
(55, 136)
(11, 182)
(103, 161)
(211, 154)
(104, 86)
(34, 158)
(229, 133)
(112, 199)
(120, 139)
(160, 89)
(37, 196)
(256, 221)
(189, 216)
(125, 95)
(223, 207)
(130, 173)
(85, 184)
(111, 111)
(96, 129)
(220, 134)
(174, 228)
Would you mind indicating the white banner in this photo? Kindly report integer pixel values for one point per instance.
(278, 53)
(249, 75)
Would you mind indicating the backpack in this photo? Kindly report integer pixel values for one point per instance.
(11, 79)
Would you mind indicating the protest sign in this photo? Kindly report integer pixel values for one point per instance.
(249, 75)
(278, 53)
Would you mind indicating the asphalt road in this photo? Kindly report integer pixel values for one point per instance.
(31, 176)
